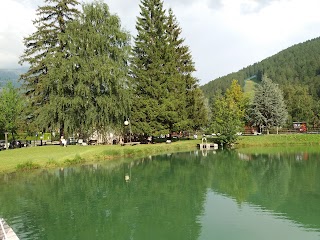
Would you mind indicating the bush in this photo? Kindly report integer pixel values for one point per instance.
(27, 166)
(77, 160)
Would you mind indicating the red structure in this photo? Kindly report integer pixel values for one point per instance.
(300, 126)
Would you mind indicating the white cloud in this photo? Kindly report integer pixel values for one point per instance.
(223, 35)
(13, 28)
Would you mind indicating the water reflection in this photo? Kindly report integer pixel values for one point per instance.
(247, 222)
(194, 195)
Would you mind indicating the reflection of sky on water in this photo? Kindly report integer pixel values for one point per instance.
(224, 219)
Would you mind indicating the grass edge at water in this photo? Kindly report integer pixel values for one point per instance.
(55, 156)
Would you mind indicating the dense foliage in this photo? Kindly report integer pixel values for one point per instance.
(88, 88)
(228, 114)
(77, 80)
(40, 48)
(268, 108)
(11, 107)
(166, 95)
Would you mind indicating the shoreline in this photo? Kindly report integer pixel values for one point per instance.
(46, 157)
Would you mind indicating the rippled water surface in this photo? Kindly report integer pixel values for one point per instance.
(193, 195)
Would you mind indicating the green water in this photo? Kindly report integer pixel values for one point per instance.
(194, 195)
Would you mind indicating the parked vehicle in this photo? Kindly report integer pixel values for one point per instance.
(3, 145)
(16, 144)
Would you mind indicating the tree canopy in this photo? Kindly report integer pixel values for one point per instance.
(11, 108)
(40, 47)
(228, 114)
(89, 88)
(77, 81)
(268, 107)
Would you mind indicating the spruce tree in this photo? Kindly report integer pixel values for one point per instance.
(44, 43)
(89, 89)
(151, 109)
(166, 94)
(190, 103)
(268, 108)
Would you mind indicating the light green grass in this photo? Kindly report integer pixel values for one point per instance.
(280, 149)
(281, 139)
(57, 156)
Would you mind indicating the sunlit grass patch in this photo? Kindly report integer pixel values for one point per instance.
(76, 160)
(27, 166)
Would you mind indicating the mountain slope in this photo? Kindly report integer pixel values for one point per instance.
(299, 64)
(12, 75)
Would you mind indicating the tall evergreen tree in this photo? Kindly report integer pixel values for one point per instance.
(197, 109)
(162, 67)
(45, 42)
(89, 89)
(175, 84)
(194, 114)
(268, 108)
(151, 110)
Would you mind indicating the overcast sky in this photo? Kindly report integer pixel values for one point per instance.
(224, 36)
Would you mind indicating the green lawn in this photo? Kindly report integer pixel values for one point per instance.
(57, 156)
(281, 139)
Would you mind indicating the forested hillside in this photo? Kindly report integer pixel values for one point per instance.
(11, 75)
(297, 65)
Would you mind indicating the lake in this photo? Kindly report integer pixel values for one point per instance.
(193, 195)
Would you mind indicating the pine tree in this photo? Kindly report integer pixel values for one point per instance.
(194, 114)
(44, 43)
(151, 110)
(162, 68)
(89, 89)
(268, 108)
(197, 109)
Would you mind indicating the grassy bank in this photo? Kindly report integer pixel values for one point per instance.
(55, 156)
(276, 140)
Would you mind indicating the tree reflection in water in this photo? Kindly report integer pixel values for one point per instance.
(160, 197)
